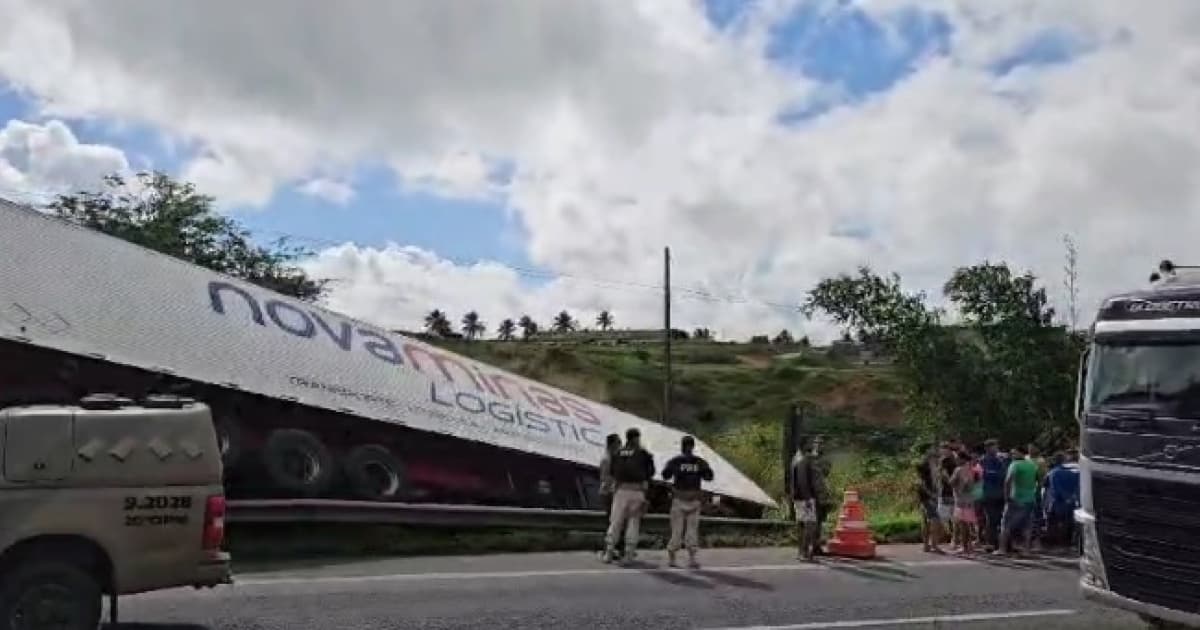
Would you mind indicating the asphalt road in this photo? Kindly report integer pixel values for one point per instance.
(760, 589)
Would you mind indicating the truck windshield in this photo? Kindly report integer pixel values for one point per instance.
(1165, 375)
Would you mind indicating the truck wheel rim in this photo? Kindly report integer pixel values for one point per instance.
(381, 478)
(46, 606)
(302, 465)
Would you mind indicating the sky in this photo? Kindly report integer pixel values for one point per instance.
(531, 156)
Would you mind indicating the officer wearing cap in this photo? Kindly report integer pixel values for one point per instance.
(687, 470)
(632, 469)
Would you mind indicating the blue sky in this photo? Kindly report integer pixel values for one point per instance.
(832, 42)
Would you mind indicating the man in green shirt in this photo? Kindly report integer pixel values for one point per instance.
(1020, 490)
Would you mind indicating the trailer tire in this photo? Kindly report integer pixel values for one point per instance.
(298, 462)
(229, 440)
(375, 473)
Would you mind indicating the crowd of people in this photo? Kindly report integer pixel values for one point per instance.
(983, 498)
(976, 499)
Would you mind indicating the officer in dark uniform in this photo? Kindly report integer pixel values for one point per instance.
(632, 468)
(688, 470)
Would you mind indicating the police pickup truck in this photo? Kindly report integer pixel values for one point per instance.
(104, 499)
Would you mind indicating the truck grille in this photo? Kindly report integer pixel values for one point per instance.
(1150, 539)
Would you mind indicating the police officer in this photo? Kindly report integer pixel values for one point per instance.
(687, 470)
(608, 485)
(632, 468)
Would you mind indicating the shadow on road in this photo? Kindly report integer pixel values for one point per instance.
(735, 581)
(868, 571)
(1026, 563)
(153, 626)
(678, 578)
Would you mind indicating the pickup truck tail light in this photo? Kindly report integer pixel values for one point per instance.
(214, 523)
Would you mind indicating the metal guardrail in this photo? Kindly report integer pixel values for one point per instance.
(449, 515)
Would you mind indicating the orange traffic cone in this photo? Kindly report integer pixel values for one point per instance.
(852, 538)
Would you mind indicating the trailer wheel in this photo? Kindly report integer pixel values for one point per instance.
(374, 473)
(298, 462)
(229, 440)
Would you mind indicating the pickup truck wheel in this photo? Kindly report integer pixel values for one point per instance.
(49, 594)
(298, 462)
(374, 473)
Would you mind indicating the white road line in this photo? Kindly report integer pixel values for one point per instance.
(912, 621)
(494, 575)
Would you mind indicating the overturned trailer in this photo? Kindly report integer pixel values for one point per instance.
(307, 402)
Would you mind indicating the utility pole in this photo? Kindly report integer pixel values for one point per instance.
(667, 334)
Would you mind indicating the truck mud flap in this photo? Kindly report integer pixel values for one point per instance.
(298, 462)
(374, 473)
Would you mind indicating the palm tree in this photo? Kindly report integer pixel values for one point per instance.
(506, 329)
(437, 324)
(604, 320)
(472, 326)
(563, 322)
(529, 328)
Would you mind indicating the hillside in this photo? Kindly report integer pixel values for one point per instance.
(734, 396)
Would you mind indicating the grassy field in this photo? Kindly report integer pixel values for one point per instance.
(735, 396)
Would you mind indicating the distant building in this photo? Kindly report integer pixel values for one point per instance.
(614, 337)
(866, 352)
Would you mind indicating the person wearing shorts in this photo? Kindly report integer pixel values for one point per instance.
(927, 500)
(1020, 489)
(963, 484)
(946, 465)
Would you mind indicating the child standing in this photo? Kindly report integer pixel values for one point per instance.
(963, 482)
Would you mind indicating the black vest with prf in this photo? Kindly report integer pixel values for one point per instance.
(633, 465)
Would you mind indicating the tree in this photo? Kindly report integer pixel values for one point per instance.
(784, 338)
(804, 342)
(1005, 370)
(563, 323)
(702, 333)
(506, 329)
(529, 328)
(472, 326)
(173, 218)
(436, 323)
(604, 320)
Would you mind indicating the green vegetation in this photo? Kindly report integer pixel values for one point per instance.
(1002, 368)
(735, 396)
(173, 218)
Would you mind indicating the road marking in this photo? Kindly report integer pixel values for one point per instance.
(251, 580)
(912, 621)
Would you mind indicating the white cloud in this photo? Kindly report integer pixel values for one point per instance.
(38, 161)
(395, 286)
(633, 126)
(330, 190)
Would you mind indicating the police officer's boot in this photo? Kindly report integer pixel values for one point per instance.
(671, 558)
(610, 554)
(693, 563)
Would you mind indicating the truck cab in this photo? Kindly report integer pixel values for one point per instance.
(1138, 406)
(106, 498)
